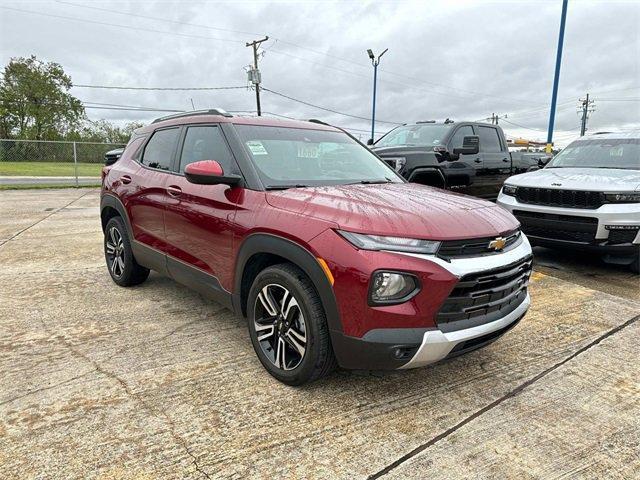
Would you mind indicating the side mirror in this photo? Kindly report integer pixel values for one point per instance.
(209, 172)
(370, 141)
(542, 161)
(470, 146)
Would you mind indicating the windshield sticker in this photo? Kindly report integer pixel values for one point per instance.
(307, 150)
(256, 147)
(617, 151)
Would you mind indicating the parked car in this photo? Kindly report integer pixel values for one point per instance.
(423, 152)
(587, 198)
(332, 256)
(112, 156)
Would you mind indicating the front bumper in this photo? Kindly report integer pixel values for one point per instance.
(385, 348)
(437, 345)
(584, 229)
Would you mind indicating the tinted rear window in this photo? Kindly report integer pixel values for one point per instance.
(159, 151)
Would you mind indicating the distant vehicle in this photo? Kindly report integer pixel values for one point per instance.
(112, 156)
(423, 152)
(330, 254)
(587, 197)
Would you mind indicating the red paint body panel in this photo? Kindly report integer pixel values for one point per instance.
(398, 209)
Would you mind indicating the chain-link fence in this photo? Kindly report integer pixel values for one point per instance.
(56, 163)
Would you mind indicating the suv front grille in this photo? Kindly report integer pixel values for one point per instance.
(560, 198)
(474, 246)
(568, 228)
(485, 296)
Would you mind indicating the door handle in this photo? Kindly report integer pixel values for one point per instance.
(505, 160)
(126, 179)
(174, 191)
(477, 160)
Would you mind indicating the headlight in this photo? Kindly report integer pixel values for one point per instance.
(396, 244)
(622, 197)
(392, 287)
(509, 190)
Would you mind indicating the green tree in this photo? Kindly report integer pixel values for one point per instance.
(35, 102)
(102, 131)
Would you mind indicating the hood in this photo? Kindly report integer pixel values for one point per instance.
(587, 179)
(398, 209)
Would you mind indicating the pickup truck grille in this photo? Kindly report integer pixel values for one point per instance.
(560, 198)
(485, 296)
(622, 236)
(474, 246)
(567, 228)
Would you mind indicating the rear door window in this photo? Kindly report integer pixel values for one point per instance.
(489, 139)
(160, 150)
(205, 143)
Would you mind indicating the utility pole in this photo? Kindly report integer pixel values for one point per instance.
(254, 73)
(586, 107)
(556, 78)
(375, 62)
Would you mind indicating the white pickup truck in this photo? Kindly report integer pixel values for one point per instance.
(587, 197)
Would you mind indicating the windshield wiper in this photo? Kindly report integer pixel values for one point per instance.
(285, 187)
(372, 182)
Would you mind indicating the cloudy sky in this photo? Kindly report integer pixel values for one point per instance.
(462, 59)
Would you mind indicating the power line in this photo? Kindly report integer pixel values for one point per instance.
(116, 87)
(324, 108)
(128, 27)
(149, 17)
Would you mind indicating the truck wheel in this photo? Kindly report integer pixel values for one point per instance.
(288, 326)
(123, 268)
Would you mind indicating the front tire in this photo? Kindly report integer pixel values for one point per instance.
(123, 268)
(288, 326)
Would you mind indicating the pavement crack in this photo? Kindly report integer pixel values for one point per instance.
(38, 390)
(511, 394)
(4, 242)
(156, 412)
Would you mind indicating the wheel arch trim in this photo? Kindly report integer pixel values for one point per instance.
(108, 200)
(267, 243)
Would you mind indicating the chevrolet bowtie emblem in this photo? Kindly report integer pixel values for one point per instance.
(497, 244)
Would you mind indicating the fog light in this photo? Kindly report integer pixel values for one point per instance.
(392, 287)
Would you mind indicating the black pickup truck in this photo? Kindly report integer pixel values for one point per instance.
(423, 152)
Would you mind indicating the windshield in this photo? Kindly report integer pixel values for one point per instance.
(419, 135)
(602, 153)
(290, 157)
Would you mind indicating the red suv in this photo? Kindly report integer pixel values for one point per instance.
(333, 257)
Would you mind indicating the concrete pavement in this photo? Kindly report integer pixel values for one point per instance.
(154, 381)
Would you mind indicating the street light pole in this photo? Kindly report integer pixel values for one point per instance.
(556, 78)
(375, 62)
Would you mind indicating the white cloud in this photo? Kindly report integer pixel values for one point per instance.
(463, 60)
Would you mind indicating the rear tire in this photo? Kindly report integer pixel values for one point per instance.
(122, 266)
(288, 326)
(635, 266)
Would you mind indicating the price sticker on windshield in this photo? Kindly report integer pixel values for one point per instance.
(256, 148)
(306, 150)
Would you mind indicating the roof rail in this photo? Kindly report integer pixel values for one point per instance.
(315, 120)
(601, 133)
(211, 111)
(426, 121)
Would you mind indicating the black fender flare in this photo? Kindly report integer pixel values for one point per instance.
(108, 200)
(433, 169)
(268, 243)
